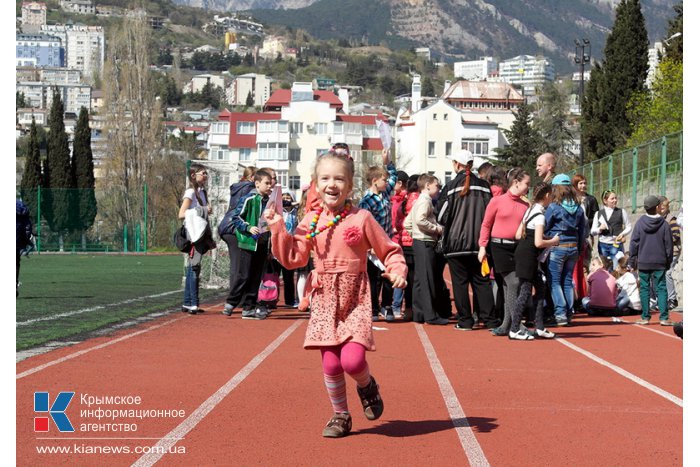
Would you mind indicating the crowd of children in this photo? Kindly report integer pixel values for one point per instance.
(357, 263)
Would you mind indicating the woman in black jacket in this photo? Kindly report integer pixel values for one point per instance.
(460, 209)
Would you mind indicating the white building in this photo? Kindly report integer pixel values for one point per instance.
(653, 55)
(40, 95)
(426, 138)
(33, 14)
(272, 46)
(485, 101)
(85, 46)
(82, 7)
(526, 71)
(197, 83)
(476, 70)
(259, 86)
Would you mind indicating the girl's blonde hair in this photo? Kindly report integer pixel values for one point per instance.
(248, 173)
(346, 160)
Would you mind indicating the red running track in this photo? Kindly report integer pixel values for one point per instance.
(604, 394)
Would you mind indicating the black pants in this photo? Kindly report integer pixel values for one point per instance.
(377, 285)
(234, 254)
(427, 288)
(251, 265)
(410, 277)
(466, 270)
(289, 286)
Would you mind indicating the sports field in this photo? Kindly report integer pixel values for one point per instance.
(67, 296)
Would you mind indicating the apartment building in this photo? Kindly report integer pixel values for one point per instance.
(294, 128)
(33, 14)
(475, 70)
(259, 87)
(39, 50)
(40, 95)
(84, 45)
(526, 71)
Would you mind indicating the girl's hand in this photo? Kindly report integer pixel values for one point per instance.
(208, 209)
(254, 230)
(620, 238)
(482, 254)
(397, 282)
(270, 215)
(555, 239)
(385, 156)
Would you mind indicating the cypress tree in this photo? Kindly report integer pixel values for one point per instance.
(526, 144)
(84, 170)
(31, 180)
(59, 206)
(674, 47)
(594, 118)
(624, 71)
(249, 102)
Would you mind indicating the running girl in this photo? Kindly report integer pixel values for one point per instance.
(340, 324)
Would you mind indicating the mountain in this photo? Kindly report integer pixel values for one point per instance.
(457, 29)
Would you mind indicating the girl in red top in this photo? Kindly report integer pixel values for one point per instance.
(400, 208)
(501, 222)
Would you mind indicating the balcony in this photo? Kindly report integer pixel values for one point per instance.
(273, 137)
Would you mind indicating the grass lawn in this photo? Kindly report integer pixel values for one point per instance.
(53, 285)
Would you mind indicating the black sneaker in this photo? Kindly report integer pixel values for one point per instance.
(438, 321)
(371, 400)
(460, 327)
(672, 304)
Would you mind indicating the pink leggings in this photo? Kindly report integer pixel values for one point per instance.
(348, 357)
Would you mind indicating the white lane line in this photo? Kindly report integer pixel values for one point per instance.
(471, 446)
(94, 308)
(647, 328)
(666, 395)
(170, 439)
(97, 347)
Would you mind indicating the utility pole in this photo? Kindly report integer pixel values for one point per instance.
(581, 59)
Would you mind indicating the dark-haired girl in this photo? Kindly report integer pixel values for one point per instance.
(501, 222)
(527, 266)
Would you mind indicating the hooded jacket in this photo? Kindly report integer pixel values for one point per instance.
(460, 216)
(568, 221)
(238, 191)
(651, 246)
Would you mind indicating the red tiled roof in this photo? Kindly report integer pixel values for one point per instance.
(225, 114)
(366, 119)
(282, 98)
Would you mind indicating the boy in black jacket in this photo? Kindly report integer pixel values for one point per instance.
(651, 253)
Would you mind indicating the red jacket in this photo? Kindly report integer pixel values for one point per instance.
(401, 236)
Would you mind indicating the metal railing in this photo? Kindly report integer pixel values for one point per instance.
(652, 168)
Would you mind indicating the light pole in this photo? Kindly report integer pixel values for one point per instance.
(581, 59)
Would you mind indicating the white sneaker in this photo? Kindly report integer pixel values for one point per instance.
(520, 335)
(545, 334)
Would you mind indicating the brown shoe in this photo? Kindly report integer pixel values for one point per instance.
(338, 426)
(666, 322)
(371, 400)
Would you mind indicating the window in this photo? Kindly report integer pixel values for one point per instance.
(295, 155)
(219, 127)
(320, 152)
(282, 176)
(448, 177)
(448, 149)
(444, 116)
(370, 131)
(431, 148)
(296, 128)
(478, 147)
(434, 116)
(321, 128)
(272, 151)
(337, 128)
(220, 154)
(244, 154)
(267, 126)
(294, 182)
(245, 128)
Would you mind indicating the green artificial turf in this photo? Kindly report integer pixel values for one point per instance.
(63, 284)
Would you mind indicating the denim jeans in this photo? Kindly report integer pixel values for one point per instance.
(609, 251)
(191, 286)
(398, 299)
(621, 302)
(561, 271)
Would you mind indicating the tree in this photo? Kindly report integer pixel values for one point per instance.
(525, 143)
(59, 206)
(659, 112)
(674, 47)
(594, 117)
(624, 71)
(428, 88)
(249, 102)
(134, 127)
(551, 119)
(84, 170)
(31, 179)
(20, 100)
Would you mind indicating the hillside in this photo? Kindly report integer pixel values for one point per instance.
(456, 29)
